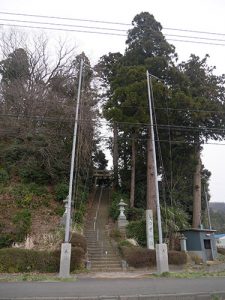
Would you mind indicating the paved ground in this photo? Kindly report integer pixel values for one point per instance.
(93, 288)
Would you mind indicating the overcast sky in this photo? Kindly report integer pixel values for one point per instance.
(197, 15)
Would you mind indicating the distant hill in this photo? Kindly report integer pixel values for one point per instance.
(217, 206)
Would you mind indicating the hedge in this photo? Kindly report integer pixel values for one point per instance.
(138, 257)
(13, 260)
(78, 240)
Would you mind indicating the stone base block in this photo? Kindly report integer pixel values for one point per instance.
(162, 258)
(65, 258)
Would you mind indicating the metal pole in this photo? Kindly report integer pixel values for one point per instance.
(68, 216)
(154, 157)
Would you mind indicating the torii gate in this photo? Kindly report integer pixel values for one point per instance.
(102, 174)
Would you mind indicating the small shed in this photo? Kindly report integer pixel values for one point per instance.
(201, 242)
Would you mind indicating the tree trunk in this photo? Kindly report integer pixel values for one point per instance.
(196, 221)
(115, 155)
(133, 163)
(151, 192)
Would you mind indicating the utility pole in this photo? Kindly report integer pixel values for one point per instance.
(66, 246)
(161, 248)
(207, 207)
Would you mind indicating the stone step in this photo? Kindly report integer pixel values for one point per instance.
(106, 269)
(102, 259)
(103, 265)
(101, 254)
(99, 245)
(100, 250)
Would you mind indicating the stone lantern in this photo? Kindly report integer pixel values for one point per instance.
(122, 220)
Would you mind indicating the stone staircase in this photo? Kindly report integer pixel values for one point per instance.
(103, 257)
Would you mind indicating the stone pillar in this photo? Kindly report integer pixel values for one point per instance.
(183, 243)
(162, 258)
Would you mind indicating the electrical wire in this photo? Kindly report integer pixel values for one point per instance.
(105, 22)
(107, 33)
(104, 28)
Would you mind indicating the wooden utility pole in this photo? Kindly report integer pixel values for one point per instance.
(115, 156)
(133, 165)
(151, 191)
(197, 207)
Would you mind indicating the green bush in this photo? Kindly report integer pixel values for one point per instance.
(177, 258)
(78, 216)
(141, 257)
(125, 243)
(221, 250)
(116, 235)
(22, 189)
(4, 176)
(24, 202)
(20, 260)
(22, 220)
(61, 191)
(59, 210)
(137, 230)
(6, 240)
(32, 171)
(135, 214)
(138, 257)
(78, 240)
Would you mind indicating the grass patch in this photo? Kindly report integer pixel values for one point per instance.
(34, 277)
(189, 275)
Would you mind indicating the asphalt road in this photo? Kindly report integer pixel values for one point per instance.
(91, 288)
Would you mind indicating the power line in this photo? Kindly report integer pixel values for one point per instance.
(175, 109)
(64, 18)
(195, 42)
(160, 126)
(104, 33)
(103, 28)
(63, 29)
(60, 24)
(105, 22)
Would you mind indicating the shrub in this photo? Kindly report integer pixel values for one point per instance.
(77, 258)
(135, 214)
(137, 231)
(24, 202)
(4, 176)
(22, 220)
(21, 260)
(6, 240)
(32, 171)
(221, 250)
(61, 191)
(125, 243)
(116, 234)
(78, 240)
(139, 257)
(177, 257)
(78, 216)
(21, 190)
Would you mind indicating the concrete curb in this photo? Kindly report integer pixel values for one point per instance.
(185, 296)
